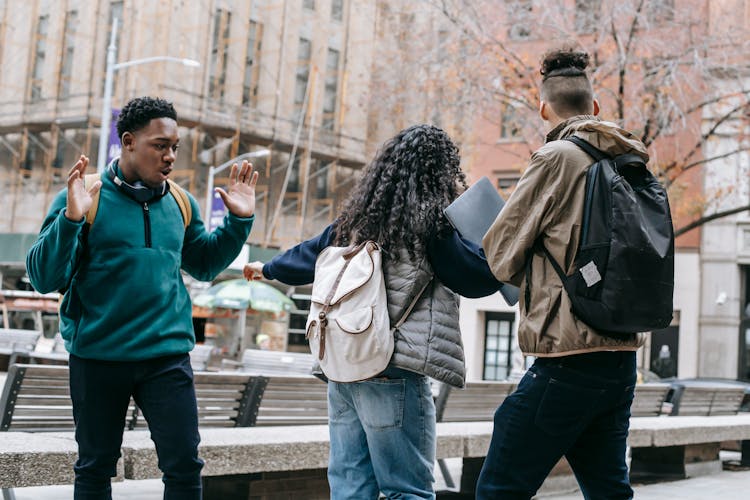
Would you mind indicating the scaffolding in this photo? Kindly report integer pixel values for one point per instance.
(239, 101)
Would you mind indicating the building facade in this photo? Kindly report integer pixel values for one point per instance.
(286, 78)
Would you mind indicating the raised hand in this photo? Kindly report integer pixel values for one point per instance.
(240, 196)
(253, 271)
(79, 197)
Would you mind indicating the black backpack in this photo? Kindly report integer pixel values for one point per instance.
(624, 267)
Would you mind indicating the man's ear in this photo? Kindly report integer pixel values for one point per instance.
(596, 107)
(126, 140)
(543, 111)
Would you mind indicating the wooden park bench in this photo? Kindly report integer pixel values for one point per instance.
(692, 453)
(706, 399)
(287, 400)
(257, 361)
(479, 400)
(476, 402)
(649, 400)
(36, 398)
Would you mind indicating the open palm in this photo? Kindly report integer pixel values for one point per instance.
(80, 198)
(239, 197)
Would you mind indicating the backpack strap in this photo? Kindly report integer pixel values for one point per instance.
(411, 306)
(181, 197)
(590, 150)
(89, 180)
(323, 315)
(557, 268)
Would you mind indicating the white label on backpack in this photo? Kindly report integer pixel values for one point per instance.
(591, 274)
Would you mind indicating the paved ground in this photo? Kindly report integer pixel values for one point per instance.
(723, 486)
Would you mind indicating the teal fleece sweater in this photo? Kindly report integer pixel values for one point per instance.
(126, 300)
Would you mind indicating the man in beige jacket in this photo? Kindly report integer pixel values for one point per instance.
(575, 399)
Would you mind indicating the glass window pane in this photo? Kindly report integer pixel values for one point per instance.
(492, 327)
(490, 357)
(504, 328)
(491, 343)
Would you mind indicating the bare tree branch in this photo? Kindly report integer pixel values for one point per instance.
(709, 218)
(713, 158)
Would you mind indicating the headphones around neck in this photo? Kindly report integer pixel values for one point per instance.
(137, 191)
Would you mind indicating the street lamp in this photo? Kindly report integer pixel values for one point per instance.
(212, 171)
(108, 80)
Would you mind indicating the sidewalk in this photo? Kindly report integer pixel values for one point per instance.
(724, 486)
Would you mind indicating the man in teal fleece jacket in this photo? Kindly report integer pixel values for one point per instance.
(126, 315)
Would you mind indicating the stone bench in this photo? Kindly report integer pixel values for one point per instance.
(686, 446)
(283, 458)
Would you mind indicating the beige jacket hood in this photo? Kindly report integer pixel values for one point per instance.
(547, 206)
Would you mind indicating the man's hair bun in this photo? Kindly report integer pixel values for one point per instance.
(564, 62)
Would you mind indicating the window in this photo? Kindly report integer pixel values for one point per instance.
(252, 64)
(330, 96)
(308, 4)
(320, 175)
(115, 12)
(498, 338)
(587, 15)
(66, 67)
(219, 55)
(303, 74)
(510, 127)
(40, 53)
(294, 185)
(660, 11)
(29, 160)
(337, 10)
(519, 19)
(506, 183)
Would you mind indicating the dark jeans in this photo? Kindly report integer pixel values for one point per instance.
(163, 389)
(575, 406)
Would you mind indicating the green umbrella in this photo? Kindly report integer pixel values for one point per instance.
(243, 294)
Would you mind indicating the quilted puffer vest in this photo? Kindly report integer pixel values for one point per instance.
(429, 341)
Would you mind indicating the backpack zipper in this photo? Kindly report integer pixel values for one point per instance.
(589, 203)
(147, 224)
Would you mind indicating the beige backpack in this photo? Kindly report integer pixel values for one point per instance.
(348, 326)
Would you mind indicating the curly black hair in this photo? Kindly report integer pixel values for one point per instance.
(567, 61)
(400, 198)
(138, 112)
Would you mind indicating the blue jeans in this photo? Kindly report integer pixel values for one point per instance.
(163, 389)
(575, 406)
(382, 437)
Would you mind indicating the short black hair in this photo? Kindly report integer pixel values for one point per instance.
(138, 112)
(565, 84)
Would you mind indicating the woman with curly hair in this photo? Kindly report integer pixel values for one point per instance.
(382, 430)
